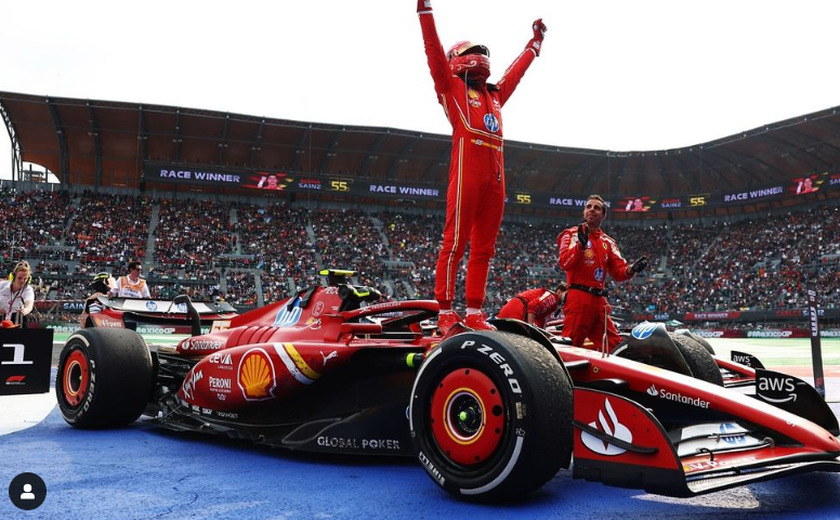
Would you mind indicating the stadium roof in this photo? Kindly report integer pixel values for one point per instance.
(105, 143)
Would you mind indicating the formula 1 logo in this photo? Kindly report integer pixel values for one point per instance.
(611, 427)
(286, 317)
(643, 330)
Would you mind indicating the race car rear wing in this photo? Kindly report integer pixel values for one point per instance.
(165, 307)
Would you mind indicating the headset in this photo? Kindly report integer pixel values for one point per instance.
(18, 268)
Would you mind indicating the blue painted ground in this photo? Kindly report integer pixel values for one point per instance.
(144, 473)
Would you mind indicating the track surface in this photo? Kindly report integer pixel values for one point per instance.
(143, 472)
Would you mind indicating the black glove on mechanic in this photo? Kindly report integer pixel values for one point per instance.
(583, 236)
(639, 265)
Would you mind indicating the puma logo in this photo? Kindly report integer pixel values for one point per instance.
(329, 356)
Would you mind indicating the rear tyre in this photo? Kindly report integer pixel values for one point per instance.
(702, 341)
(491, 415)
(699, 359)
(105, 378)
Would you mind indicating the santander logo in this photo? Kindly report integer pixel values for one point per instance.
(611, 427)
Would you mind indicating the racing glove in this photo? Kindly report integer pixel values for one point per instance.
(539, 33)
(583, 236)
(639, 265)
(424, 5)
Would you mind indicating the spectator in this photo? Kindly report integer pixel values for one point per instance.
(131, 285)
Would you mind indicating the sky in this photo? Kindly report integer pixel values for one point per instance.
(613, 75)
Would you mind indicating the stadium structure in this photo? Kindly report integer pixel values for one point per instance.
(244, 167)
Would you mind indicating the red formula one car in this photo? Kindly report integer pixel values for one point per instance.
(490, 415)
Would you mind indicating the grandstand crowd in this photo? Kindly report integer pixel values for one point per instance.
(252, 255)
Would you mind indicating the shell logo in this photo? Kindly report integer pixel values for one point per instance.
(472, 93)
(256, 376)
(589, 254)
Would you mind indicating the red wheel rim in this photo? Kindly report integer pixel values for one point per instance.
(467, 416)
(76, 376)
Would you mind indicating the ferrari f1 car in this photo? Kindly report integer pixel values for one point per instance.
(489, 415)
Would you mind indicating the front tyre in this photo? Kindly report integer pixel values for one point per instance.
(491, 415)
(699, 360)
(104, 379)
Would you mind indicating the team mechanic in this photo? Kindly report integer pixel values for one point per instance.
(587, 254)
(475, 195)
(534, 306)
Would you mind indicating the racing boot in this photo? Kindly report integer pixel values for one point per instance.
(446, 320)
(478, 321)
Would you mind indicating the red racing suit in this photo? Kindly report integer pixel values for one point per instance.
(541, 302)
(475, 196)
(587, 314)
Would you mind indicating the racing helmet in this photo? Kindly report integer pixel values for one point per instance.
(470, 58)
(102, 282)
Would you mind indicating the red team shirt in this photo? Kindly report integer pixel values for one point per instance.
(541, 302)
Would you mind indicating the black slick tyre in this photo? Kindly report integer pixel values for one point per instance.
(699, 359)
(702, 341)
(104, 379)
(491, 415)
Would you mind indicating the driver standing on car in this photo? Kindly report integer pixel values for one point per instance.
(587, 254)
(475, 198)
(131, 285)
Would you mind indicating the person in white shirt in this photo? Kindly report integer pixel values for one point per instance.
(131, 285)
(17, 297)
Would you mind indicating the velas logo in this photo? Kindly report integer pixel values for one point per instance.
(257, 378)
(491, 123)
(732, 434)
(610, 425)
(643, 330)
(286, 317)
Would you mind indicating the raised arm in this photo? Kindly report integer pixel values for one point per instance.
(438, 64)
(517, 69)
(571, 250)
